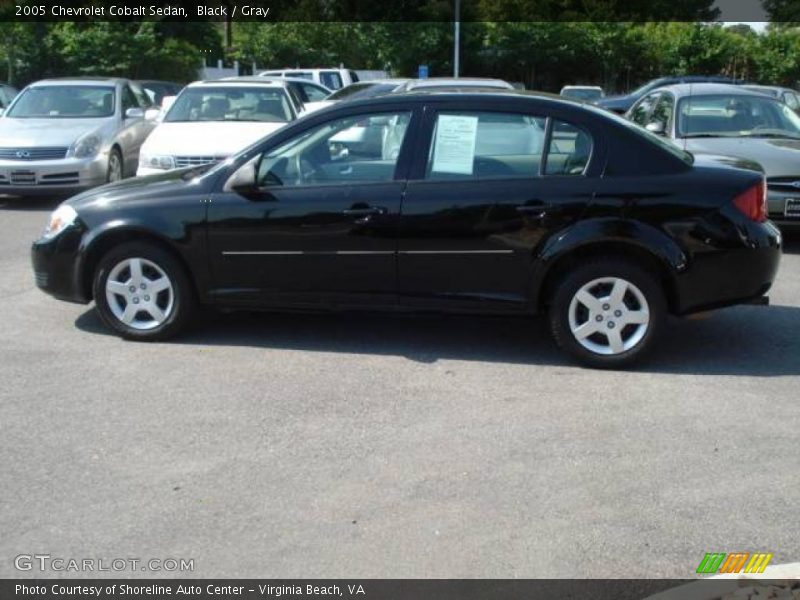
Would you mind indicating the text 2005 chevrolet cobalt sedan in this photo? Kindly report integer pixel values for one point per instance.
(487, 203)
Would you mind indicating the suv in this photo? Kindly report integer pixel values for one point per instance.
(333, 79)
(621, 104)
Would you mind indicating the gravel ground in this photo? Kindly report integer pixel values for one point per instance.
(388, 446)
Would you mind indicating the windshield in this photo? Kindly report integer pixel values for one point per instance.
(731, 115)
(362, 90)
(64, 102)
(235, 103)
(583, 94)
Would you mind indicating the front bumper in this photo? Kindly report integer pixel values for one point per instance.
(784, 207)
(44, 177)
(56, 265)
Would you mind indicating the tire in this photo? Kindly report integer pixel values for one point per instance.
(114, 170)
(149, 302)
(607, 313)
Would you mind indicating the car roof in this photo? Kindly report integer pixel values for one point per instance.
(287, 79)
(458, 82)
(423, 96)
(228, 81)
(773, 88)
(80, 81)
(707, 89)
(581, 87)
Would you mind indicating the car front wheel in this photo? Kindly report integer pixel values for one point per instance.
(607, 312)
(142, 292)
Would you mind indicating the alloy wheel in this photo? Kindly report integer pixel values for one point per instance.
(139, 293)
(609, 315)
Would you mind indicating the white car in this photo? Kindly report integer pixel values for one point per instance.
(211, 120)
(333, 79)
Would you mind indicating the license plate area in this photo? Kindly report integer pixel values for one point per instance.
(23, 178)
(792, 208)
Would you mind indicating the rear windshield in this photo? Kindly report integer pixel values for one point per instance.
(64, 102)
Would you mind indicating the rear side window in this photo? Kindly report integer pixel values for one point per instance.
(353, 77)
(569, 150)
(483, 145)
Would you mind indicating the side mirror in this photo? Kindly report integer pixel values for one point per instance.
(657, 127)
(134, 113)
(151, 114)
(244, 179)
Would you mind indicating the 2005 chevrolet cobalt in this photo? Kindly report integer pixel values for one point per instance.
(488, 203)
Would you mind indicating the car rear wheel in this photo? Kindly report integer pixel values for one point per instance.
(607, 312)
(142, 292)
(114, 172)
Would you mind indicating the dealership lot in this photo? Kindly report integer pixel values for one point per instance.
(391, 446)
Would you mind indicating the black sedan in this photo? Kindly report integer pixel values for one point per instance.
(503, 203)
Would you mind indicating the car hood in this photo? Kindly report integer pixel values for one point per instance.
(715, 160)
(213, 138)
(166, 184)
(779, 157)
(29, 133)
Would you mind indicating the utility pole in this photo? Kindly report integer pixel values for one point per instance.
(457, 36)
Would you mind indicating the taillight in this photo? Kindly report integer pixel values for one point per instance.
(753, 202)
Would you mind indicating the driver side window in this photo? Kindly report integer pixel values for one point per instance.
(362, 148)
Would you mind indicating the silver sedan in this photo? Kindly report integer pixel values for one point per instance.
(66, 135)
(727, 120)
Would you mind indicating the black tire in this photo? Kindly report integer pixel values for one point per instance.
(177, 313)
(115, 155)
(606, 268)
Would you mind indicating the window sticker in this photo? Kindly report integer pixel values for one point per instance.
(454, 147)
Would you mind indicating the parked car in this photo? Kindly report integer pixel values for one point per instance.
(211, 120)
(65, 135)
(587, 93)
(732, 121)
(621, 104)
(333, 79)
(606, 229)
(785, 95)
(158, 90)
(7, 94)
(358, 91)
(307, 91)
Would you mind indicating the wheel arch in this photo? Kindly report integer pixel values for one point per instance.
(629, 240)
(95, 248)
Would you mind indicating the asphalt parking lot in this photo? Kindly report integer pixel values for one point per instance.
(391, 446)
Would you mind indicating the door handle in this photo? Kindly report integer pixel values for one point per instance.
(362, 211)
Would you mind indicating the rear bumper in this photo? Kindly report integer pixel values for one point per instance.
(56, 266)
(741, 275)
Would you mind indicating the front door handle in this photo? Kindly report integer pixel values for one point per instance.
(363, 211)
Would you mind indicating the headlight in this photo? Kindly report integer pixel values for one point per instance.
(156, 161)
(60, 219)
(87, 146)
